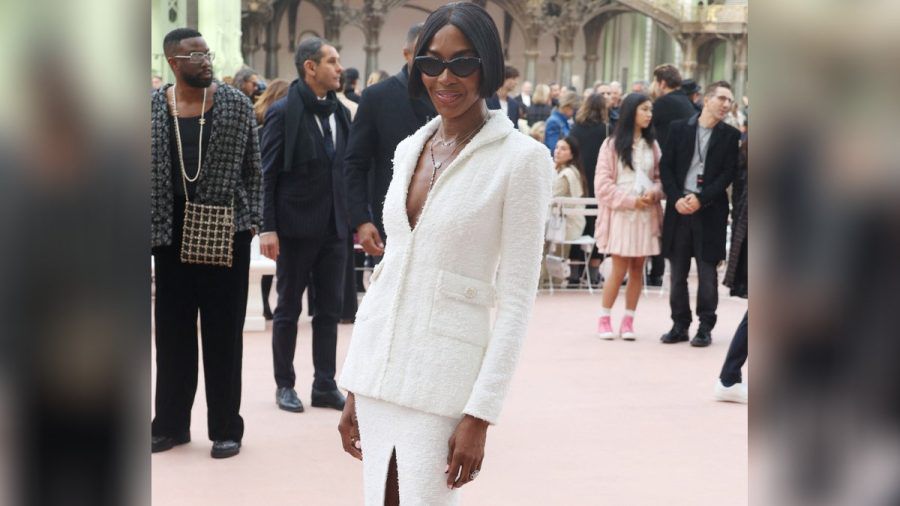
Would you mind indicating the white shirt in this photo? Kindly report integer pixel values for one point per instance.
(331, 123)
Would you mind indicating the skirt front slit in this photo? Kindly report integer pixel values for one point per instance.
(420, 441)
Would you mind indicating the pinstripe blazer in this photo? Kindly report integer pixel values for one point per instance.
(230, 166)
(299, 201)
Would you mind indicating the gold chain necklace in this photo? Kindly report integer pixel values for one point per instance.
(185, 179)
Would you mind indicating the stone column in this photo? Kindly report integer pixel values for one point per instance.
(740, 68)
(531, 54)
(566, 55)
(372, 30)
(590, 69)
(220, 23)
(333, 29)
(272, 46)
(591, 42)
(689, 53)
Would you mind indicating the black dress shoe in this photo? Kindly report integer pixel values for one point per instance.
(676, 335)
(225, 449)
(654, 280)
(287, 400)
(703, 338)
(328, 399)
(163, 443)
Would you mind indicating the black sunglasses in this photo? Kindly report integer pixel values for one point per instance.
(461, 67)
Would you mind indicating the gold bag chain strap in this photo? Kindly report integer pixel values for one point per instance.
(207, 254)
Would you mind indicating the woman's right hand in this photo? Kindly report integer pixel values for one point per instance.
(349, 428)
(640, 203)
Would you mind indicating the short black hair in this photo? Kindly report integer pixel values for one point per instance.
(510, 72)
(174, 38)
(478, 26)
(308, 49)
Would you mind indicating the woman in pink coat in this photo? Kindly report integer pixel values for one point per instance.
(629, 223)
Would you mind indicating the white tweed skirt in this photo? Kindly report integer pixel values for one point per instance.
(420, 441)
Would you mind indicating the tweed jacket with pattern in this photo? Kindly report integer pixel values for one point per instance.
(231, 164)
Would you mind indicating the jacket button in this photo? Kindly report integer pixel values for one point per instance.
(471, 293)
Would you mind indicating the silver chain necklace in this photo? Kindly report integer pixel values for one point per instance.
(436, 166)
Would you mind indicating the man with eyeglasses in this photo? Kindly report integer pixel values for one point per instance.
(698, 163)
(305, 221)
(189, 163)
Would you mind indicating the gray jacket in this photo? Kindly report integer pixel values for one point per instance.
(231, 168)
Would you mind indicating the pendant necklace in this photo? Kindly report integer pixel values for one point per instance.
(435, 165)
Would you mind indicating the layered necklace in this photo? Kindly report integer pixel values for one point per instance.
(178, 139)
(460, 141)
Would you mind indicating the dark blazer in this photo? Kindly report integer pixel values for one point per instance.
(522, 107)
(538, 112)
(304, 195)
(512, 110)
(386, 116)
(672, 106)
(719, 169)
(590, 137)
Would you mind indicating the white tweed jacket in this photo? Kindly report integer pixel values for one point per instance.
(444, 318)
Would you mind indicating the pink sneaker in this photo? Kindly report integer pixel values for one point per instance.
(626, 330)
(604, 328)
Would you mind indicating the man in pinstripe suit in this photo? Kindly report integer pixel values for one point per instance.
(305, 218)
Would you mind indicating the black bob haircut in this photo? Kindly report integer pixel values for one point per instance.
(174, 38)
(478, 26)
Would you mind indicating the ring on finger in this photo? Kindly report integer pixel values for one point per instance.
(474, 474)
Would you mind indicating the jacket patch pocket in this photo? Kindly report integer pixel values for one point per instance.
(462, 308)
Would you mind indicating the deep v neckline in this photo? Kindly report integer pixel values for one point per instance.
(437, 182)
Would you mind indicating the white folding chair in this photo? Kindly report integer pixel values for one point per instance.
(575, 206)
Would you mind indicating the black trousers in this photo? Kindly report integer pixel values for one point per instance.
(737, 355)
(687, 245)
(657, 266)
(220, 296)
(325, 258)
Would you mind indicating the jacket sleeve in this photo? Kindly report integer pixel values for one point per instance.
(272, 149)
(604, 186)
(716, 188)
(667, 165)
(551, 135)
(361, 149)
(251, 175)
(524, 213)
(657, 190)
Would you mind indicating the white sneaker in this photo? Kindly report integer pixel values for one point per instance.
(734, 393)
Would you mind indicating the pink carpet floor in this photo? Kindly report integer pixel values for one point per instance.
(587, 422)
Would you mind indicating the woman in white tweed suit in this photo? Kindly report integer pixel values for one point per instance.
(428, 369)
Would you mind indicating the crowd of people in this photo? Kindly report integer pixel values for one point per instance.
(315, 166)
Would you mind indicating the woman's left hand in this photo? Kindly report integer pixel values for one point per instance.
(466, 451)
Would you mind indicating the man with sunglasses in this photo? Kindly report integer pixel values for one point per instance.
(305, 220)
(204, 149)
(386, 116)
